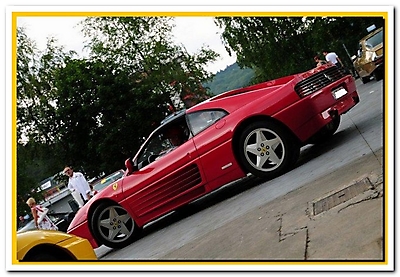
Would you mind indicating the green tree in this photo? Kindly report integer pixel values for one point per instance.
(144, 47)
(279, 46)
(38, 154)
(36, 91)
(93, 112)
(109, 101)
(102, 111)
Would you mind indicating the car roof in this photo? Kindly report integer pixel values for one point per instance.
(173, 116)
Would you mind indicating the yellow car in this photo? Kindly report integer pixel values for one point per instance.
(46, 245)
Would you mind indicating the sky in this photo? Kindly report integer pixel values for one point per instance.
(192, 32)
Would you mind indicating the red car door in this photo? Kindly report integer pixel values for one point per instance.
(213, 140)
(165, 184)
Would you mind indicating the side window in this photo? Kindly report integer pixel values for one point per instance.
(166, 139)
(201, 120)
(154, 147)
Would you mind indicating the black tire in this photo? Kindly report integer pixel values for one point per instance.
(326, 132)
(378, 75)
(47, 254)
(267, 150)
(365, 80)
(113, 226)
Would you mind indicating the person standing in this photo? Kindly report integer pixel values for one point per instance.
(318, 61)
(39, 213)
(332, 57)
(77, 197)
(22, 222)
(77, 182)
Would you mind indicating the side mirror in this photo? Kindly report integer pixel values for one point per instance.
(130, 167)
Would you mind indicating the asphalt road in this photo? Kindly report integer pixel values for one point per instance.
(360, 134)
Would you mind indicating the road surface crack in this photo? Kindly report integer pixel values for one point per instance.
(281, 235)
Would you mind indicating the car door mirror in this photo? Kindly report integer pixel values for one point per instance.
(131, 166)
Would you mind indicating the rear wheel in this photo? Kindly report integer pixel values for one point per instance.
(267, 149)
(113, 226)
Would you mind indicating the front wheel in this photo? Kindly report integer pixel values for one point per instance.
(113, 226)
(267, 150)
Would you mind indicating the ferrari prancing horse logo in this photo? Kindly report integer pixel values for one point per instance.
(115, 186)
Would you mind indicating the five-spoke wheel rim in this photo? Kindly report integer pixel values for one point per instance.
(115, 224)
(264, 149)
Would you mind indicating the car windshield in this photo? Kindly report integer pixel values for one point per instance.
(108, 180)
(374, 40)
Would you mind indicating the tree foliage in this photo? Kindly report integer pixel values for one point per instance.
(279, 46)
(93, 112)
(36, 91)
(144, 47)
(111, 100)
(38, 154)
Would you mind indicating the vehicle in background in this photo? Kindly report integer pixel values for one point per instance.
(100, 184)
(50, 245)
(257, 129)
(369, 61)
(61, 220)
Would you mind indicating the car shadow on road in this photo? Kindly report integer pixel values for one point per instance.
(312, 151)
(213, 198)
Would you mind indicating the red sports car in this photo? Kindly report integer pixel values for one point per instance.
(258, 129)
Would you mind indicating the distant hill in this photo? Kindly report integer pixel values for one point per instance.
(232, 77)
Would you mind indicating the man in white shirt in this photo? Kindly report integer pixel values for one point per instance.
(331, 57)
(77, 197)
(77, 182)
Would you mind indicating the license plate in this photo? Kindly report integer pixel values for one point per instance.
(339, 92)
